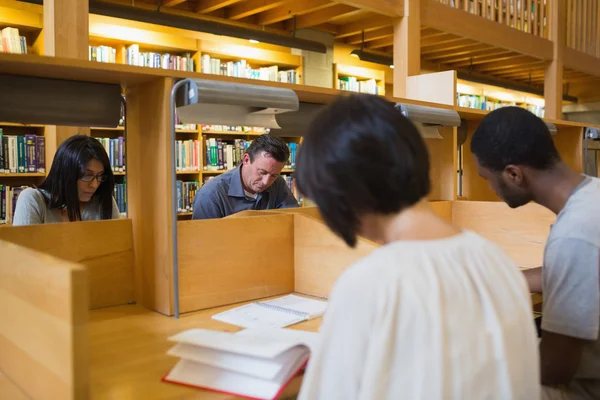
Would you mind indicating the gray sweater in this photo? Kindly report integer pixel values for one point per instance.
(31, 209)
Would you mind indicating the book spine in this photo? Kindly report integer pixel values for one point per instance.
(40, 154)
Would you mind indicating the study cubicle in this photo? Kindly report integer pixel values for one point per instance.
(117, 349)
(121, 348)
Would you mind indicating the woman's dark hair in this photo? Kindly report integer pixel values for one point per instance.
(69, 164)
(360, 155)
(513, 135)
(273, 145)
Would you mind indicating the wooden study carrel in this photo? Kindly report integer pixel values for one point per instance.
(109, 347)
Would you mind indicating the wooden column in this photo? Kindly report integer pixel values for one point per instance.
(407, 46)
(66, 34)
(149, 191)
(553, 81)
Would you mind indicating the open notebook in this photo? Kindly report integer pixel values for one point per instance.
(276, 313)
(253, 363)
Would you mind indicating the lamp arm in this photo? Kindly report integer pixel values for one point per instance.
(176, 86)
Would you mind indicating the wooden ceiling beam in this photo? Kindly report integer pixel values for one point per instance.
(515, 63)
(381, 43)
(290, 9)
(321, 16)
(372, 35)
(173, 3)
(327, 27)
(435, 40)
(389, 8)
(457, 44)
(481, 57)
(453, 53)
(252, 7)
(367, 24)
(580, 61)
(439, 16)
(207, 6)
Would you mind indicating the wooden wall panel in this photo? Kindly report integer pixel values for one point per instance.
(320, 257)
(149, 191)
(443, 209)
(442, 171)
(474, 187)
(230, 260)
(569, 143)
(44, 314)
(104, 247)
(521, 232)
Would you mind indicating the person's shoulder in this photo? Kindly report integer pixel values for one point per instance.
(32, 196)
(580, 218)
(218, 183)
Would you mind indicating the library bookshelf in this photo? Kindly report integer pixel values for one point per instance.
(22, 163)
(359, 79)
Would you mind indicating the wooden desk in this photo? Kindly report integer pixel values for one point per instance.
(128, 346)
(128, 352)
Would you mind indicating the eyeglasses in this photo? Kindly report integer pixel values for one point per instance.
(100, 178)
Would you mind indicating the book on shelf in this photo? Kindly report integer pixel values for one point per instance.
(241, 69)
(253, 363)
(101, 53)
(120, 195)
(187, 155)
(22, 154)
(8, 202)
(352, 84)
(12, 42)
(115, 149)
(186, 191)
(133, 56)
(277, 313)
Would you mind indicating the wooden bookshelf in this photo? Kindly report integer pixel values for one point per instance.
(359, 79)
(12, 181)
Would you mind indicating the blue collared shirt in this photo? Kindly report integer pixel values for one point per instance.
(224, 195)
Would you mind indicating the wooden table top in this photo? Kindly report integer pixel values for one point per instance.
(128, 354)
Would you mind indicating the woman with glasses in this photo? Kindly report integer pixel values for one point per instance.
(79, 187)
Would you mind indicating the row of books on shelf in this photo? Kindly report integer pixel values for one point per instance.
(480, 102)
(9, 195)
(235, 129)
(241, 69)
(22, 154)
(220, 155)
(120, 194)
(352, 84)
(8, 201)
(115, 148)
(133, 56)
(12, 42)
(186, 191)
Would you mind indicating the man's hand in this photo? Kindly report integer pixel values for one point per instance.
(534, 279)
(560, 357)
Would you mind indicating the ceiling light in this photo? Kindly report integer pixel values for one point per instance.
(372, 57)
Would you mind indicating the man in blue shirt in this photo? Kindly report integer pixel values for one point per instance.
(254, 185)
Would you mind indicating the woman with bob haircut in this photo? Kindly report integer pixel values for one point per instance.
(435, 312)
(79, 187)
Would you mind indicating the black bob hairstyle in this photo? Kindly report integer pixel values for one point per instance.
(274, 146)
(513, 135)
(68, 166)
(361, 156)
